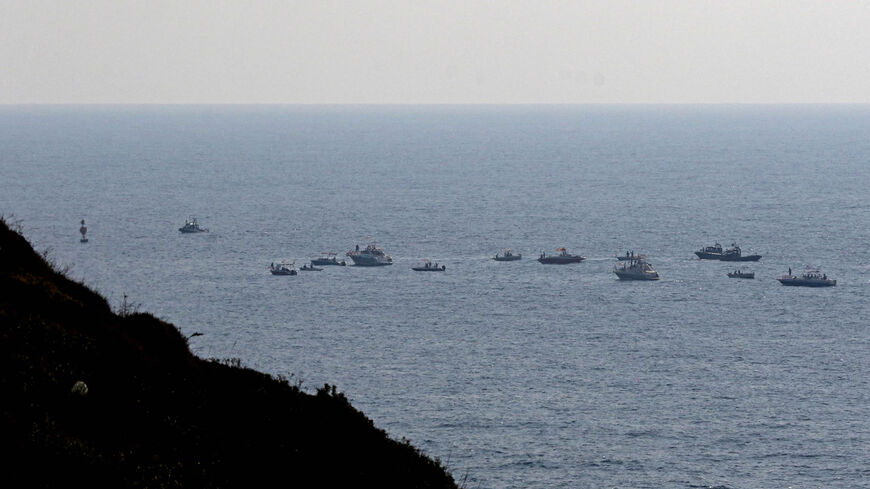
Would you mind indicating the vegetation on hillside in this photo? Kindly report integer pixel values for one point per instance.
(95, 398)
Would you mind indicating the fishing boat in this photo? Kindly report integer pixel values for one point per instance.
(507, 255)
(282, 269)
(84, 231)
(811, 277)
(310, 268)
(427, 266)
(561, 259)
(734, 253)
(192, 226)
(741, 274)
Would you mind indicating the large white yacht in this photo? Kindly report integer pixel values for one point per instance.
(371, 256)
(636, 268)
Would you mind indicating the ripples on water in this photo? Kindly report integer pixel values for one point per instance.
(521, 375)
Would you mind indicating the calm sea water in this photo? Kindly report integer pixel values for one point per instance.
(517, 374)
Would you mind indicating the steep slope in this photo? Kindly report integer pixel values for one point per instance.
(93, 398)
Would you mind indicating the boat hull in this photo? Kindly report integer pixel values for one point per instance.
(321, 263)
(278, 272)
(797, 282)
(368, 262)
(721, 257)
(741, 275)
(424, 269)
(560, 260)
(508, 258)
(635, 276)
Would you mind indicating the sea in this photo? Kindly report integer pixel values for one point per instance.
(513, 374)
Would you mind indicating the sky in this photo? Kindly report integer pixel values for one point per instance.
(434, 52)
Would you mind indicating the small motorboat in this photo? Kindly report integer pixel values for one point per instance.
(741, 274)
(191, 226)
(507, 255)
(328, 258)
(84, 231)
(310, 268)
(427, 266)
(282, 269)
(561, 259)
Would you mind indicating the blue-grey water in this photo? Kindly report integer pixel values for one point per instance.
(518, 375)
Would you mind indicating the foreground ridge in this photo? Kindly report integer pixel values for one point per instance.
(101, 399)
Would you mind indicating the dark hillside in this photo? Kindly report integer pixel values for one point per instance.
(153, 414)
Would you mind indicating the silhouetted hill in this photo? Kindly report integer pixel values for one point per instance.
(154, 415)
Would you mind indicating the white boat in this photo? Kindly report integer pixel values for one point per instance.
(636, 268)
(191, 226)
(371, 256)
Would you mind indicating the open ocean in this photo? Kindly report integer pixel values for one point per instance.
(516, 375)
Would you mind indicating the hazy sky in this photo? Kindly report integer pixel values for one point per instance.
(466, 51)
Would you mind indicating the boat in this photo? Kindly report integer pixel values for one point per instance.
(733, 253)
(561, 259)
(507, 255)
(371, 256)
(635, 268)
(328, 258)
(310, 268)
(84, 231)
(741, 274)
(427, 266)
(811, 277)
(191, 226)
(282, 269)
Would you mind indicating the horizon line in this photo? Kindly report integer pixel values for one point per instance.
(418, 104)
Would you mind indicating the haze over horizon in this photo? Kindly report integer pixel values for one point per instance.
(452, 52)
